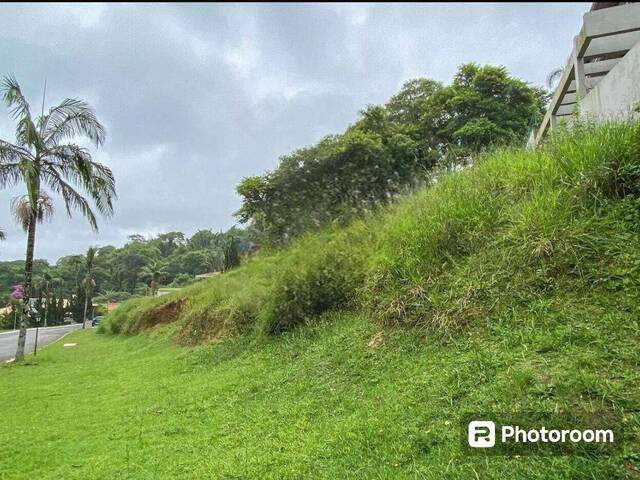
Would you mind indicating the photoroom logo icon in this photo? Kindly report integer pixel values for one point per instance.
(541, 433)
(482, 434)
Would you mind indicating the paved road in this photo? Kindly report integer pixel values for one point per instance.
(9, 340)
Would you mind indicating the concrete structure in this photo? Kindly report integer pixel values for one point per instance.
(601, 79)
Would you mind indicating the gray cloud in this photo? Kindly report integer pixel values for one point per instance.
(195, 97)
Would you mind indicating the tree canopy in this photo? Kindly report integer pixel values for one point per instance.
(388, 150)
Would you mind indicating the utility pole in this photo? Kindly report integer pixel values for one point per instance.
(35, 348)
(84, 317)
(47, 296)
(46, 310)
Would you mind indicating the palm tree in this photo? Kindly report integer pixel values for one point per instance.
(40, 159)
(89, 282)
(2, 235)
(156, 272)
(23, 213)
(154, 285)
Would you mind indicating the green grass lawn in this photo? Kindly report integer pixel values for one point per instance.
(510, 286)
(318, 402)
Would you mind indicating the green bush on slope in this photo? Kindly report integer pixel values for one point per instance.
(319, 273)
(512, 228)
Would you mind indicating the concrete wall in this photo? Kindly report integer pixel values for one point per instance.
(618, 93)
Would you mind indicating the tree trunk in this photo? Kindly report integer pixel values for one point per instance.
(28, 274)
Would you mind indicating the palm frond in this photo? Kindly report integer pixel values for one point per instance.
(72, 199)
(26, 132)
(37, 159)
(72, 118)
(21, 210)
(10, 164)
(75, 164)
(12, 96)
(24, 213)
(13, 162)
(13, 153)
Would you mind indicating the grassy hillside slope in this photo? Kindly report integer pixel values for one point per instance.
(512, 285)
(319, 402)
(517, 227)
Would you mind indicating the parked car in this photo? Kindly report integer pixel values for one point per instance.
(96, 320)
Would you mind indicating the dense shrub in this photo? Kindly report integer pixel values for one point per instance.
(319, 273)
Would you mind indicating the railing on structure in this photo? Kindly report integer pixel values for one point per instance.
(607, 34)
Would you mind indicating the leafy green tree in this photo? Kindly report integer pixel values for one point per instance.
(181, 280)
(103, 268)
(168, 243)
(215, 260)
(136, 237)
(192, 262)
(203, 240)
(40, 159)
(12, 272)
(70, 270)
(258, 205)
(341, 177)
(483, 106)
(107, 273)
(408, 104)
(61, 309)
(387, 151)
(130, 260)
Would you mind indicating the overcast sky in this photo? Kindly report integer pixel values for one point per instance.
(196, 97)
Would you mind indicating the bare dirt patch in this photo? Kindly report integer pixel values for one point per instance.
(161, 315)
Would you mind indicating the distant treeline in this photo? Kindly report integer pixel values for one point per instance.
(171, 258)
(390, 149)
